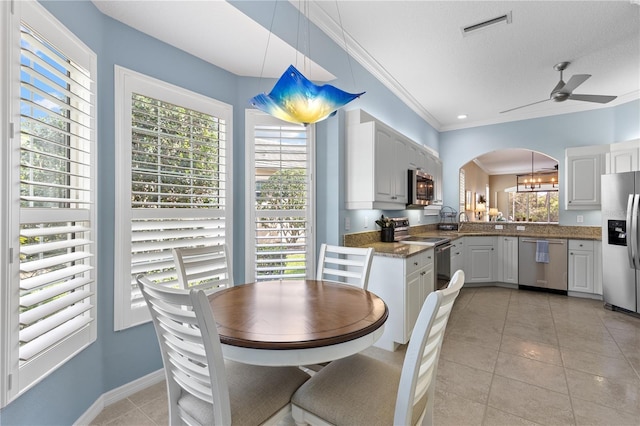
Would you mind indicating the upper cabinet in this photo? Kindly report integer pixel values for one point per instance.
(377, 161)
(584, 166)
(623, 157)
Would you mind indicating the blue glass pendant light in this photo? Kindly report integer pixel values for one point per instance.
(297, 100)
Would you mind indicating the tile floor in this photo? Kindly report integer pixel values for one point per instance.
(510, 357)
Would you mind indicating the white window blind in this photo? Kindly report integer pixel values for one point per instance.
(177, 188)
(280, 240)
(53, 282)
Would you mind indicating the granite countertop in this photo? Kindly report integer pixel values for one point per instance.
(401, 250)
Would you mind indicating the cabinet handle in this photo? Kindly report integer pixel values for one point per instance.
(429, 257)
(491, 248)
(571, 254)
(415, 263)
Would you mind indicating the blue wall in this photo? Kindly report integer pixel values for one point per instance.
(117, 358)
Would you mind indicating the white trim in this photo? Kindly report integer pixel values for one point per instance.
(118, 394)
(44, 23)
(253, 117)
(126, 82)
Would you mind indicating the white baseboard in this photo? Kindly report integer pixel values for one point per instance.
(119, 394)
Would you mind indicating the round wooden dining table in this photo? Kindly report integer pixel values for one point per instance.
(296, 322)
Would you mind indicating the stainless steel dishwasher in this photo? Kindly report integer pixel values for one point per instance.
(550, 276)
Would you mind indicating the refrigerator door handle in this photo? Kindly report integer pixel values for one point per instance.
(631, 223)
(634, 236)
(634, 232)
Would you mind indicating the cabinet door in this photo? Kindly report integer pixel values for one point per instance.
(384, 165)
(624, 161)
(581, 271)
(508, 260)
(479, 263)
(413, 303)
(437, 177)
(428, 281)
(583, 181)
(457, 256)
(399, 177)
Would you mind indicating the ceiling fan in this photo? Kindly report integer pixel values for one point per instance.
(564, 91)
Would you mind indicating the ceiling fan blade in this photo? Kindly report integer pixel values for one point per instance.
(522, 106)
(601, 99)
(574, 82)
(559, 86)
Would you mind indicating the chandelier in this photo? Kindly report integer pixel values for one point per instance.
(540, 181)
(296, 99)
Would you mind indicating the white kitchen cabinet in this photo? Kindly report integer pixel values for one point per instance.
(403, 284)
(434, 168)
(583, 168)
(457, 255)
(480, 259)
(581, 266)
(377, 161)
(417, 158)
(623, 157)
(507, 260)
(376, 165)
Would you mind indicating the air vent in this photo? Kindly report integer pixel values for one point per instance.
(471, 29)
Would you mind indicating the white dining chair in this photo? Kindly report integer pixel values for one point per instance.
(346, 265)
(203, 388)
(206, 267)
(360, 390)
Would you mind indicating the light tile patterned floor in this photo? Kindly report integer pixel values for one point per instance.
(510, 357)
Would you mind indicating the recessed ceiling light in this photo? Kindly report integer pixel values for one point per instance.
(462, 116)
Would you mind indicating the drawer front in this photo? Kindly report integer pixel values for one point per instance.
(580, 245)
(418, 261)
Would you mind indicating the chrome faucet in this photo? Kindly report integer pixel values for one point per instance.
(461, 215)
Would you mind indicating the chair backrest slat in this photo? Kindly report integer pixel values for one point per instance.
(347, 265)
(417, 381)
(207, 267)
(190, 346)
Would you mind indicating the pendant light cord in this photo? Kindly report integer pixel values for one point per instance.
(266, 50)
(346, 47)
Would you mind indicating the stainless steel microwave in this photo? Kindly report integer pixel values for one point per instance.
(421, 188)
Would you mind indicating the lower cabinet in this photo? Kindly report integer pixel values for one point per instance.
(457, 255)
(480, 257)
(403, 284)
(584, 272)
(507, 260)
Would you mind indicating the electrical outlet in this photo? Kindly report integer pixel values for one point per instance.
(499, 226)
(366, 221)
(347, 223)
(520, 228)
(580, 218)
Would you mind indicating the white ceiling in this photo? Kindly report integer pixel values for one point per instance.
(416, 48)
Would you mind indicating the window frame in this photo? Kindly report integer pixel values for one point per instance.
(128, 82)
(254, 118)
(15, 379)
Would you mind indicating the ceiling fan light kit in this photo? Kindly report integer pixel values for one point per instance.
(564, 91)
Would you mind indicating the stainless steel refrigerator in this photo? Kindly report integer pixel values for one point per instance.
(620, 194)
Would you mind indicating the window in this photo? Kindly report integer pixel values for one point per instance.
(50, 293)
(279, 199)
(535, 206)
(172, 186)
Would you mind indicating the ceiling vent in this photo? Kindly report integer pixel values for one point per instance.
(471, 29)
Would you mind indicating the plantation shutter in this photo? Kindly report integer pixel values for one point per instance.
(281, 191)
(57, 210)
(175, 156)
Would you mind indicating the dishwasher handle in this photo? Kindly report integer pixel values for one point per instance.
(549, 241)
